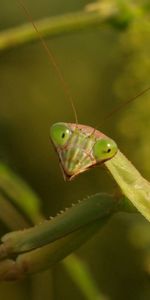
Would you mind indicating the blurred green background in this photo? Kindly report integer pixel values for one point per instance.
(103, 66)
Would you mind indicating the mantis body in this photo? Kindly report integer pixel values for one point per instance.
(41, 246)
(79, 148)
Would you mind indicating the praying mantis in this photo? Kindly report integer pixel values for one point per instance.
(79, 148)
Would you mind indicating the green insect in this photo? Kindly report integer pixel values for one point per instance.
(79, 148)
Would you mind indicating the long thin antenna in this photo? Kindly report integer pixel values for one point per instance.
(52, 60)
(122, 105)
(118, 108)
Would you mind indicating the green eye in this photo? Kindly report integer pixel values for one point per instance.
(59, 133)
(104, 149)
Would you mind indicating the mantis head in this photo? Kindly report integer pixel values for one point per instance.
(80, 147)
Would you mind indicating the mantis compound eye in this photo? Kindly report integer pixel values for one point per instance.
(104, 149)
(59, 133)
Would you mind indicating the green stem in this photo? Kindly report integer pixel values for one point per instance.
(20, 196)
(81, 275)
(54, 26)
(10, 216)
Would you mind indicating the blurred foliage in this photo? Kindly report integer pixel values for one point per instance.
(103, 67)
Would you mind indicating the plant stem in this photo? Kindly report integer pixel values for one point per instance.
(54, 26)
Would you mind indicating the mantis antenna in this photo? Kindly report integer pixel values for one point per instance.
(53, 61)
(63, 82)
(119, 107)
(122, 105)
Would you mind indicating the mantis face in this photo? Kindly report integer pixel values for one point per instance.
(80, 147)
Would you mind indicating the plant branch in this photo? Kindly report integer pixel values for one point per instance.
(54, 26)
